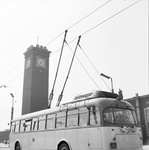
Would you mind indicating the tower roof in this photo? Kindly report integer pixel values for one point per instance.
(38, 49)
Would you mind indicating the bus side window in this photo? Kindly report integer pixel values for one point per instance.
(13, 127)
(60, 120)
(72, 118)
(42, 121)
(94, 115)
(50, 121)
(34, 124)
(22, 125)
(17, 126)
(27, 124)
(83, 116)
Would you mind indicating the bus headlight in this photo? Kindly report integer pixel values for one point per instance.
(113, 145)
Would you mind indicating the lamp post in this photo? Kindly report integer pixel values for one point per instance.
(112, 90)
(12, 108)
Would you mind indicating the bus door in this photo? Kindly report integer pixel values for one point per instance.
(94, 131)
(89, 137)
(94, 135)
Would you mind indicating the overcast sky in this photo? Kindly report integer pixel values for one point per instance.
(114, 38)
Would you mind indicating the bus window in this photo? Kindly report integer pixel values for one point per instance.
(60, 120)
(108, 115)
(34, 124)
(134, 117)
(22, 125)
(13, 127)
(42, 121)
(83, 116)
(121, 116)
(72, 118)
(124, 116)
(50, 121)
(28, 124)
(94, 115)
(17, 126)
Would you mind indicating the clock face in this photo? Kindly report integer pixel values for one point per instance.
(40, 62)
(28, 63)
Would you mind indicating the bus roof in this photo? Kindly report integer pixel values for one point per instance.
(96, 94)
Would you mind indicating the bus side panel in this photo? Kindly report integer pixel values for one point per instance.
(95, 138)
(60, 135)
(72, 138)
(27, 140)
(49, 137)
(83, 138)
(32, 139)
(41, 139)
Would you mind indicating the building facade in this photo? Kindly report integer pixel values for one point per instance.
(4, 136)
(141, 104)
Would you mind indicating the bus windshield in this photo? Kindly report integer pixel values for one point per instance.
(119, 116)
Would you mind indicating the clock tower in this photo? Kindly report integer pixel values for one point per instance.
(36, 79)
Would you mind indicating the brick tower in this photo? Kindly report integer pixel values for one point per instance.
(36, 79)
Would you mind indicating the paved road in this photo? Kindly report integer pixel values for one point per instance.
(5, 147)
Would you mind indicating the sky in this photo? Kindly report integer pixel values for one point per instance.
(114, 41)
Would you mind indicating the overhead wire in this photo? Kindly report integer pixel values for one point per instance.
(101, 23)
(79, 21)
(13, 79)
(94, 28)
(81, 34)
(93, 66)
(84, 68)
(110, 17)
(12, 70)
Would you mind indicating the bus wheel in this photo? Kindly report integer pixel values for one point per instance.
(63, 146)
(18, 146)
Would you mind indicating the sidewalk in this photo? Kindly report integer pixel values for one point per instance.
(3, 145)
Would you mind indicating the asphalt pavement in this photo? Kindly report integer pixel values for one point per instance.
(6, 147)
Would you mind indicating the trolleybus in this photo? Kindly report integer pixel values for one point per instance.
(92, 121)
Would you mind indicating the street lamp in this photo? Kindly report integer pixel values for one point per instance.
(111, 81)
(4, 86)
(12, 108)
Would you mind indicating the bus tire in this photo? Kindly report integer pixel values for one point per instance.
(63, 146)
(17, 147)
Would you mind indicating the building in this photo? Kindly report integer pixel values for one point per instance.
(141, 104)
(36, 79)
(4, 136)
